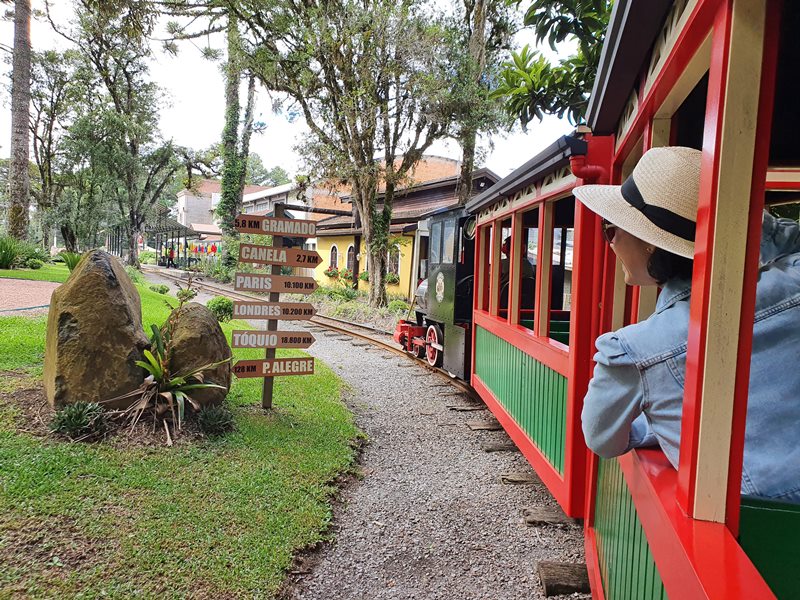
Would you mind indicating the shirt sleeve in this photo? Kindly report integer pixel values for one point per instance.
(613, 402)
(778, 237)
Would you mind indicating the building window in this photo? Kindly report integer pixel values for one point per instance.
(351, 259)
(393, 263)
(334, 262)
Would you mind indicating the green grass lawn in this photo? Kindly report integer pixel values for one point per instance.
(220, 518)
(55, 272)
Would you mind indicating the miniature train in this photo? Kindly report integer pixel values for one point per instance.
(520, 284)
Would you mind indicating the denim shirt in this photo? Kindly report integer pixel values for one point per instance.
(635, 397)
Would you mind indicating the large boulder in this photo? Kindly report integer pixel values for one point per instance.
(94, 334)
(197, 340)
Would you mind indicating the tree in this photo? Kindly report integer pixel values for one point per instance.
(373, 80)
(258, 174)
(54, 98)
(19, 179)
(135, 163)
(532, 86)
(483, 31)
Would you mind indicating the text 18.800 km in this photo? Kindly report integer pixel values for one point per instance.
(255, 282)
(277, 366)
(270, 339)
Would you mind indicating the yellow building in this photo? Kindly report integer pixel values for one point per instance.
(341, 245)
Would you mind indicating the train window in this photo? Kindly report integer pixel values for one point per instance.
(786, 112)
(484, 266)
(436, 243)
(448, 242)
(563, 235)
(529, 247)
(504, 239)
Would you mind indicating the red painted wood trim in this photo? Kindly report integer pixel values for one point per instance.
(704, 241)
(549, 476)
(744, 353)
(513, 267)
(783, 185)
(690, 39)
(548, 352)
(696, 559)
(593, 565)
(542, 284)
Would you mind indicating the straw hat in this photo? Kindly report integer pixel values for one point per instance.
(657, 203)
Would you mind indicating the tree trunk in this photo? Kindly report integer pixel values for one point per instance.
(377, 278)
(469, 134)
(231, 195)
(70, 239)
(19, 175)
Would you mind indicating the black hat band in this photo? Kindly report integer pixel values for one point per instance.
(662, 218)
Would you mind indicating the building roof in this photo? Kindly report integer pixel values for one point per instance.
(214, 186)
(632, 29)
(269, 192)
(552, 158)
(209, 228)
(411, 204)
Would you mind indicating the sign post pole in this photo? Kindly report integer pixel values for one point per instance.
(272, 324)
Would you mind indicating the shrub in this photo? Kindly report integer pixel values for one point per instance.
(134, 274)
(364, 276)
(331, 272)
(392, 279)
(346, 274)
(27, 251)
(287, 271)
(70, 258)
(222, 308)
(147, 257)
(215, 420)
(160, 288)
(9, 250)
(80, 421)
(398, 306)
(34, 263)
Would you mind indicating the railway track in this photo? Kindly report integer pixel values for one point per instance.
(355, 330)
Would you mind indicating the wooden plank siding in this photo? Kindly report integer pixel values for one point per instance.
(627, 568)
(532, 393)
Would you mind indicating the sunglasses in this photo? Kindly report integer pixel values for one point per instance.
(609, 231)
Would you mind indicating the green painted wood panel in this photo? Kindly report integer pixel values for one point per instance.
(627, 568)
(532, 393)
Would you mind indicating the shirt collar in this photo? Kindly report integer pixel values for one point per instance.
(673, 291)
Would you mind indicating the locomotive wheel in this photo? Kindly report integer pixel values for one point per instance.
(433, 338)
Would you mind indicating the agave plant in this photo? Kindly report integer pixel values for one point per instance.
(71, 259)
(163, 392)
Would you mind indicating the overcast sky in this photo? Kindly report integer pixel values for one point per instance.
(193, 112)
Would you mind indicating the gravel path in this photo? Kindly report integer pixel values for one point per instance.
(21, 297)
(430, 519)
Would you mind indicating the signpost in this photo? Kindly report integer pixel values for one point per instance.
(275, 257)
(285, 257)
(259, 338)
(285, 311)
(260, 282)
(272, 367)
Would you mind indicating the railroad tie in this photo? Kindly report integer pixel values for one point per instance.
(536, 516)
(563, 578)
(465, 407)
(526, 478)
(492, 425)
(500, 447)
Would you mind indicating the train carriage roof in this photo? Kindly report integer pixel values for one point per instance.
(632, 30)
(552, 158)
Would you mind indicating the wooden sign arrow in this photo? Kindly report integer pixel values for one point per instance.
(287, 257)
(264, 225)
(257, 282)
(258, 338)
(275, 366)
(285, 311)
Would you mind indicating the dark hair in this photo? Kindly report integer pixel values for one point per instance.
(664, 266)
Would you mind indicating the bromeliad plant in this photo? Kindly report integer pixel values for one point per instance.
(163, 393)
